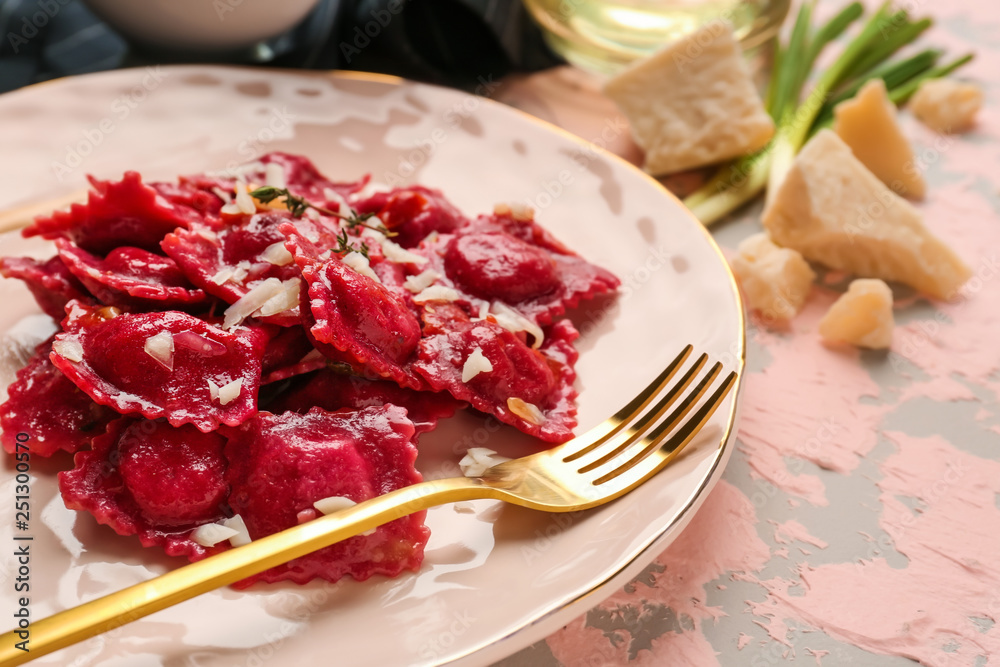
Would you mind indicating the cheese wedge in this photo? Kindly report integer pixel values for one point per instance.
(946, 105)
(867, 123)
(834, 211)
(775, 280)
(862, 316)
(693, 102)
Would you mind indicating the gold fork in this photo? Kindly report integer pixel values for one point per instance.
(606, 462)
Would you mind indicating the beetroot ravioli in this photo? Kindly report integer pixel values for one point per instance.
(281, 464)
(239, 350)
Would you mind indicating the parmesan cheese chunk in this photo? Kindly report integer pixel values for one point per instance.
(161, 348)
(867, 124)
(228, 392)
(513, 321)
(529, 412)
(210, 534)
(337, 503)
(286, 299)
(244, 202)
(274, 175)
(223, 274)
(359, 263)
(250, 302)
(421, 281)
(478, 460)
(946, 105)
(775, 280)
(333, 504)
(693, 102)
(862, 316)
(475, 364)
(397, 253)
(69, 348)
(833, 210)
(242, 534)
(277, 254)
(437, 293)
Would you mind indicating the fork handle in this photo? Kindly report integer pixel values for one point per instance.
(112, 611)
(16, 218)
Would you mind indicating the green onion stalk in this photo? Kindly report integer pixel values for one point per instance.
(865, 57)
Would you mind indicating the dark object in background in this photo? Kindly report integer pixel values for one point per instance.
(462, 43)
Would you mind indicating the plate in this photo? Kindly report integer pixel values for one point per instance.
(496, 578)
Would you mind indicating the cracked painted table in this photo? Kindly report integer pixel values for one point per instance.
(858, 522)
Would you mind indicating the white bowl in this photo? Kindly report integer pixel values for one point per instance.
(201, 26)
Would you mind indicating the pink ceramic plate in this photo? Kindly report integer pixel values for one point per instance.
(496, 578)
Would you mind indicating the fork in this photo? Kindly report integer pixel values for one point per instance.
(603, 464)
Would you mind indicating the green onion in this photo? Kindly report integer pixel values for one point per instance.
(865, 57)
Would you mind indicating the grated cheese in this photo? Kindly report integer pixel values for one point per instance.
(359, 263)
(161, 348)
(242, 534)
(333, 504)
(478, 460)
(513, 321)
(421, 281)
(277, 254)
(475, 364)
(224, 274)
(397, 253)
(337, 503)
(274, 175)
(210, 534)
(244, 202)
(529, 412)
(437, 293)
(228, 392)
(286, 299)
(69, 348)
(251, 302)
(226, 197)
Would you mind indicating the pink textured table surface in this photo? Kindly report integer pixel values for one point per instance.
(858, 522)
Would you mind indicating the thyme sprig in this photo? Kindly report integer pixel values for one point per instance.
(297, 207)
(344, 245)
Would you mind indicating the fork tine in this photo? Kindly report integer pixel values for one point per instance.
(639, 427)
(679, 440)
(612, 425)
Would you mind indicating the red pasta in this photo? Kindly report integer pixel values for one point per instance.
(45, 404)
(332, 390)
(152, 480)
(227, 355)
(279, 465)
(50, 282)
(109, 354)
(126, 212)
(130, 277)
